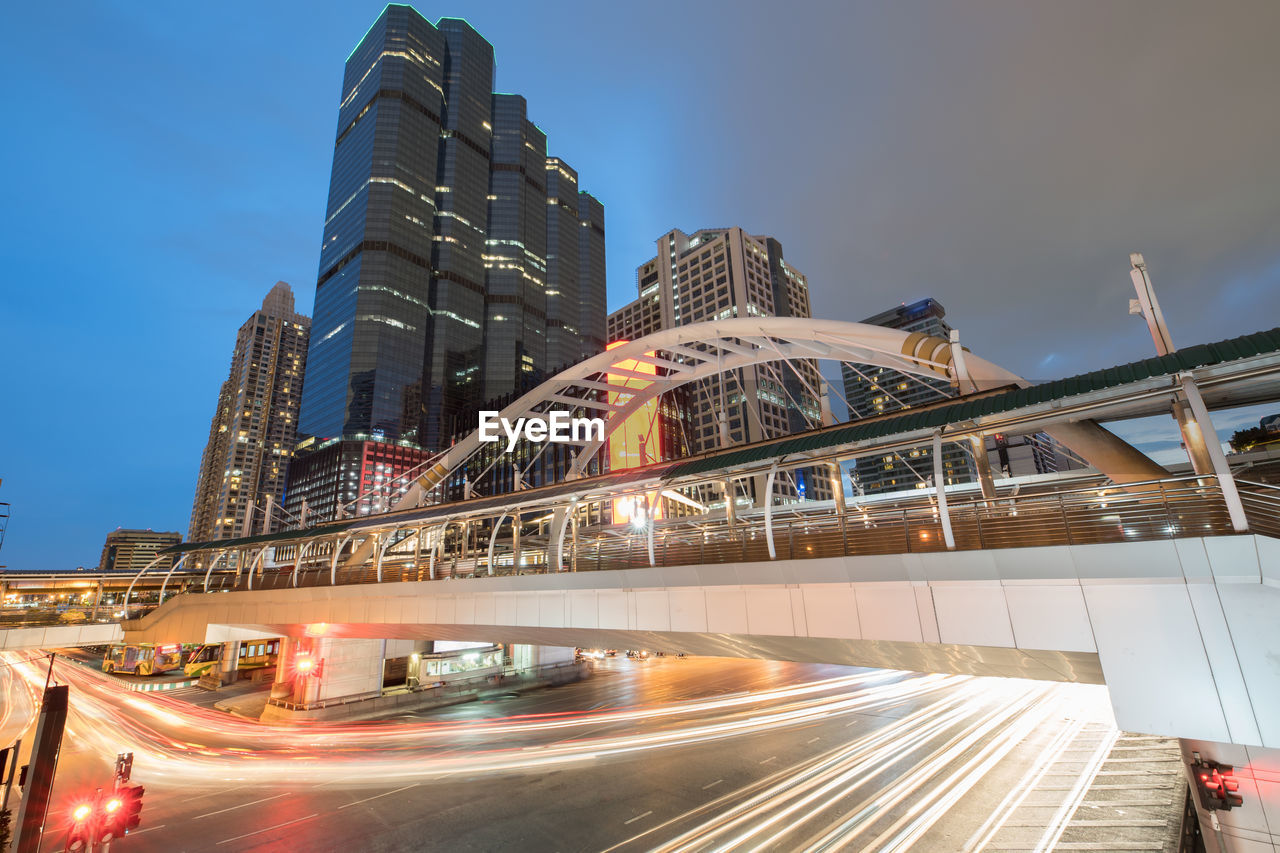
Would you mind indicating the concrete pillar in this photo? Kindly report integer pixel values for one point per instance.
(282, 684)
(229, 662)
(524, 657)
(340, 669)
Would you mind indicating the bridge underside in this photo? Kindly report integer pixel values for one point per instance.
(885, 654)
(1178, 629)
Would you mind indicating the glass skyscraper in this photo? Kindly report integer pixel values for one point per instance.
(451, 269)
(459, 263)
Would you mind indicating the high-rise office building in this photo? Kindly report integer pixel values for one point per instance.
(451, 270)
(591, 293)
(716, 274)
(254, 427)
(133, 550)
(871, 390)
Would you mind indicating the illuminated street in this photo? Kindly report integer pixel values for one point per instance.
(665, 753)
(579, 428)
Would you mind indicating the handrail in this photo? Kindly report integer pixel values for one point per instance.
(1167, 509)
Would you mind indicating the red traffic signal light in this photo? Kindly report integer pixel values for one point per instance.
(80, 835)
(1215, 785)
(305, 666)
(112, 817)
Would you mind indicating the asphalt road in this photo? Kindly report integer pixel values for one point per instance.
(669, 754)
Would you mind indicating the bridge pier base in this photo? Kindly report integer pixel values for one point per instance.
(1255, 826)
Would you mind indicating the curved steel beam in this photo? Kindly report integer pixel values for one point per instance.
(302, 554)
(333, 562)
(136, 577)
(224, 552)
(257, 561)
(768, 507)
(702, 350)
(493, 538)
(168, 575)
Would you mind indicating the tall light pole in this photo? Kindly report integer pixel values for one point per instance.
(1193, 437)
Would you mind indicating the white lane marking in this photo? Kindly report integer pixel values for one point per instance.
(767, 760)
(269, 828)
(637, 817)
(811, 740)
(148, 829)
(242, 805)
(383, 794)
(712, 785)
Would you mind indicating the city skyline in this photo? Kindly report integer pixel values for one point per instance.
(181, 268)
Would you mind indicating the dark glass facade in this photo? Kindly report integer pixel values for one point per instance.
(432, 292)
(592, 317)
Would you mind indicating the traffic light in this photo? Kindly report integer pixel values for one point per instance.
(1215, 785)
(308, 666)
(80, 835)
(111, 817)
(130, 806)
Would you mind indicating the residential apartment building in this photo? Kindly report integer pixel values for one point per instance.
(715, 274)
(254, 426)
(133, 550)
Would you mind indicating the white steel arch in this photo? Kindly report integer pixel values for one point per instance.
(704, 350)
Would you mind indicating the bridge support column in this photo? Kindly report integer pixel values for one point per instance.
(555, 539)
(837, 487)
(983, 464)
(515, 542)
(1204, 436)
(730, 503)
(768, 509)
(940, 488)
(573, 559)
(314, 672)
(229, 662)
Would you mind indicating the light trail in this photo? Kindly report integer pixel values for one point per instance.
(771, 813)
(203, 745)
(892, 785)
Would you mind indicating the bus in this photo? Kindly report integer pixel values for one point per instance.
(142, 659)
(254, 654)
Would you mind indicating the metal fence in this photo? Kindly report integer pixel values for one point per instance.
(1166, 509)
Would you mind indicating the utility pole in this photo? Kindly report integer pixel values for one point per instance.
(1193, 438)
(44, 764)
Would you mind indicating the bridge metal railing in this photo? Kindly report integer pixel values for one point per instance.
(1164, 509)
(1261, 507)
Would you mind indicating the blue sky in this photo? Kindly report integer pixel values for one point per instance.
(166, 164)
